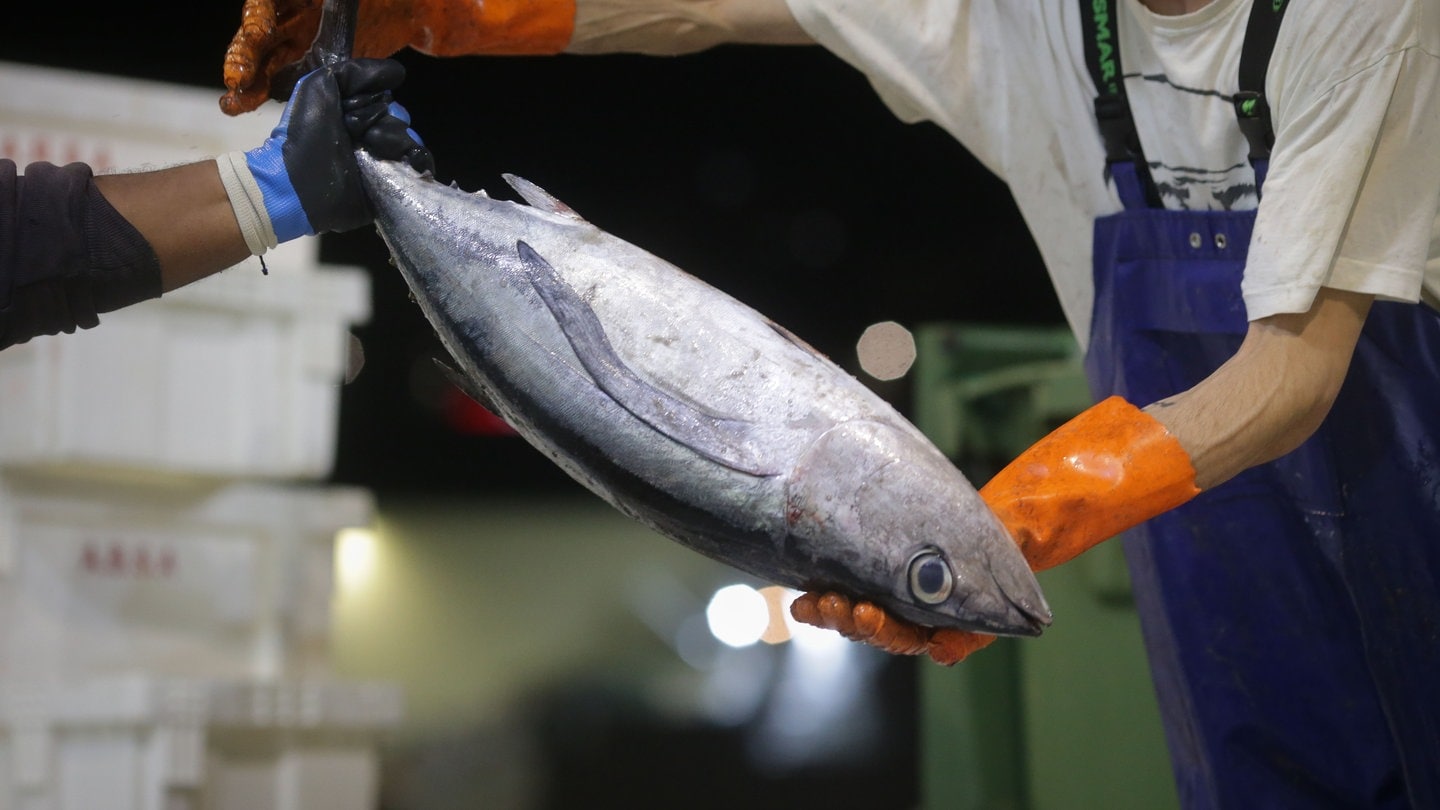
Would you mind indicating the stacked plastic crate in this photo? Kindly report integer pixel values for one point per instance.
(166, 542)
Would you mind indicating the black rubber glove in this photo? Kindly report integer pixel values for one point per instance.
(306, 169)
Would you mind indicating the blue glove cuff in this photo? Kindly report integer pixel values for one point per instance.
(287, 215)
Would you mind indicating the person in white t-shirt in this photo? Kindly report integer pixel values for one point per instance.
(1237, 203)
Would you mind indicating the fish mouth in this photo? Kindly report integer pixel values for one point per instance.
(1033, 618)
(1027, 615)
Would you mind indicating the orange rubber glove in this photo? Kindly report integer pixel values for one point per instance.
(1108, 469)
(276, 33)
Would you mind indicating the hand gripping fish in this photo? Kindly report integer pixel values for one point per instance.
(694, 414)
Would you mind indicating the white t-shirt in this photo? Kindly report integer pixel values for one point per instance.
(1353, 190)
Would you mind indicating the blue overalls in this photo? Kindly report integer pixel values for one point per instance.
(1292, 615)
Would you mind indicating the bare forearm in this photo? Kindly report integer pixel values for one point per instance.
(186, 216)
(1276, 390)
(669, 27)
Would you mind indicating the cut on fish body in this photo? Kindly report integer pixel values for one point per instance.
(695, 414)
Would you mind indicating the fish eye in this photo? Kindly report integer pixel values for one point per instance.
(930, 578)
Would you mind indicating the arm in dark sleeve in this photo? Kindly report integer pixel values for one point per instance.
(66, 255)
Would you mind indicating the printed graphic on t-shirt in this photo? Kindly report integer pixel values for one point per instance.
(1191, 188)
(1196, 174)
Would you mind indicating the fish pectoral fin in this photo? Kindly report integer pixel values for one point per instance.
(736, 443)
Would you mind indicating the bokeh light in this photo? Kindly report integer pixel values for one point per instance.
(886, 351)
(738, 615)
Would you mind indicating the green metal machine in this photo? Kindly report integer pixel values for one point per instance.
(1067, 721)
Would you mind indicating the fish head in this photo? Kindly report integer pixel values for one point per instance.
(880, 514)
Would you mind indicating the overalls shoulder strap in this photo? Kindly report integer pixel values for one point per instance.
(1112, 108)
(1251, 108)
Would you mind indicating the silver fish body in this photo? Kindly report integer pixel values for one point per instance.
(694, 414)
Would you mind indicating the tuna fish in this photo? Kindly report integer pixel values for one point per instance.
(694, 414)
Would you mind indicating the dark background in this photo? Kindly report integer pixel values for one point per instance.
(776, 174)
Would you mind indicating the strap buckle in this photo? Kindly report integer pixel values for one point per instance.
(1117, 128)
(1252, 113)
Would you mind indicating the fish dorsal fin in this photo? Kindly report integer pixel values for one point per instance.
(540, 198)
(795, 340)
(735, 443)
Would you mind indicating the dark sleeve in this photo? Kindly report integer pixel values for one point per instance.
(66, 255)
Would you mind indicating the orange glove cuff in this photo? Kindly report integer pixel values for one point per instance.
(471, 27)
(277, 33)
(1108, 469)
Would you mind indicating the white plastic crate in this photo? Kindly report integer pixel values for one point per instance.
(144, 743)
(168, 576)
(236, 375)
